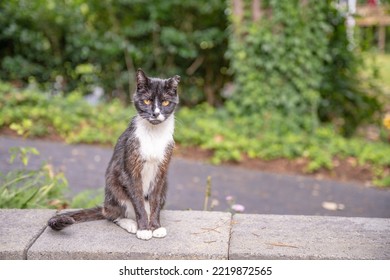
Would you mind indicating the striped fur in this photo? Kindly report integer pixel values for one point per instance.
(136, 177)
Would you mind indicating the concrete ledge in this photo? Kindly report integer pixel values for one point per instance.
(19, 229)
(309, 237)
(191, 235)
(198, 235)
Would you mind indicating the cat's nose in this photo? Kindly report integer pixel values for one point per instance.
(156, 112)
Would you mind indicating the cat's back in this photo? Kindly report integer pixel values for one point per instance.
(126, 143)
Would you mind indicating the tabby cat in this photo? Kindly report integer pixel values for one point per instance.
(136, 177)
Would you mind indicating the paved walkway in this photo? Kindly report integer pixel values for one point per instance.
(260, 192)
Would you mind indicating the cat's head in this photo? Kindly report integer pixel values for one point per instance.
(155, 99)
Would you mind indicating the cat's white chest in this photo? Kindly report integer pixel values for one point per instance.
(153, 140)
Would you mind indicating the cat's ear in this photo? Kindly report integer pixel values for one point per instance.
(174, 81)
(142, 80)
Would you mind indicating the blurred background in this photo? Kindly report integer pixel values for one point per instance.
(298, 86)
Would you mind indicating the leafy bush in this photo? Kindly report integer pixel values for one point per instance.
(90, 43)
(296, 64)
(347, 96)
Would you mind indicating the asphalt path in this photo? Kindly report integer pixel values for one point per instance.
(259, 192)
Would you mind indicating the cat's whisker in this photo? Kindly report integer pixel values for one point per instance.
(179, 121)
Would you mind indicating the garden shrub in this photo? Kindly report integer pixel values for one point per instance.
(295, 62)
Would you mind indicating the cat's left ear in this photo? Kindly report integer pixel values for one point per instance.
(174, 81)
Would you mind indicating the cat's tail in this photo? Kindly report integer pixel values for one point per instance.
(61, 221)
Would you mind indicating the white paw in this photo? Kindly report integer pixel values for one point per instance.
(160, 232)
(144, 234)
(127, 224)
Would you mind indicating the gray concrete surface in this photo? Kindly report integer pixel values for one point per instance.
(260, 192)
(18, 231)
(198, 235)
(191, 235)
(303, 237)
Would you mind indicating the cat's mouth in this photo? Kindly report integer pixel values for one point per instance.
(155, 121)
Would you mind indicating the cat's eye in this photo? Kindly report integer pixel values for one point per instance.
(165, 103)
(147, 101)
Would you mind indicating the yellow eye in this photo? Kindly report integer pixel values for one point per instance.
(165, 103)
(147, 101)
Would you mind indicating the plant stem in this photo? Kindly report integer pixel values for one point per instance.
(208, 193)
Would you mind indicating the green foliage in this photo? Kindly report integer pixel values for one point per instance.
(89, 43)
(382, 181)
(40, 188)
(268, 137)
(343, 83)
(296, 63)
(33, 113)
(23, 153)
(378, 64)
(87, 199)
(31, 188)
(263, 135)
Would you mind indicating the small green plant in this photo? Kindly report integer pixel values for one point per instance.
(40, 188)
(209, 205)
(383, 182)
(87, 199)
(23, 153)
(381, 177)
(207, 194)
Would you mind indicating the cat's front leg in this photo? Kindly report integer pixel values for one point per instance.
(157, 199)
(136, 197)
(157, 230)
(143, 232)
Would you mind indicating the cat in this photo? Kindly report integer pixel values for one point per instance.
(136, 176)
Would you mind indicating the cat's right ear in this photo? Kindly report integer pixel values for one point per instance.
(174, 81)
(142, 80)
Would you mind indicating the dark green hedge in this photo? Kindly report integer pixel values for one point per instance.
(93, 42)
